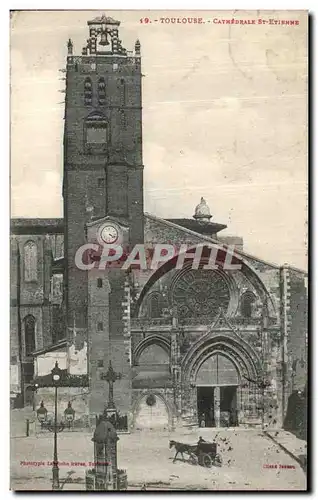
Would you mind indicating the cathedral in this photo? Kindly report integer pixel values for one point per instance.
(169, 346)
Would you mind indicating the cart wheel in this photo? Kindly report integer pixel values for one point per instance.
(206, 460)
(217, 460)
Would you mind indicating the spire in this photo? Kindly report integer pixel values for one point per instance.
(202, 211)
(69, 47)
(137, 48)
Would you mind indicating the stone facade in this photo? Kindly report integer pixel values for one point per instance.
(32, 299)
(259, 343)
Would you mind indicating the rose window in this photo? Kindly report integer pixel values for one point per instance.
(200, 293)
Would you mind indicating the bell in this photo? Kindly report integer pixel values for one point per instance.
(103, 39)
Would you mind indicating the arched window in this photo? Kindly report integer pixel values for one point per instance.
(154, 306)
(29, 334)
(30, 261)
(101, 92)
(247, 301)
(88, 92)
(96, 133)
(122, 92)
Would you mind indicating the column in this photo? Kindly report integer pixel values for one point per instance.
(175, 367)
(217, 404)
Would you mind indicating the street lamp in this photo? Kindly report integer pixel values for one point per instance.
(41, 414)
(69, 414)
(56, 376)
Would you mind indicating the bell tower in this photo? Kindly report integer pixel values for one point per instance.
(103, 169)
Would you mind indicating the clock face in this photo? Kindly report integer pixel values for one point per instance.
(109, 234)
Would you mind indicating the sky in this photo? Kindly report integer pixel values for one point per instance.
(224, 117)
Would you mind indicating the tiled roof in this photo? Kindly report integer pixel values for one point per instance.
(36, 226)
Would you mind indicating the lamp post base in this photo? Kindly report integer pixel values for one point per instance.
(55, 477)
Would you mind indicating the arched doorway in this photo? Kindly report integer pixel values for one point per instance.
(217, 384)
(151, 413)
(220, 362)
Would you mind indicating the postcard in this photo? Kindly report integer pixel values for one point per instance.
(159, 292)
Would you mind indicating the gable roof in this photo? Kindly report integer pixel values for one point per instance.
(208, 239)
(194, 225)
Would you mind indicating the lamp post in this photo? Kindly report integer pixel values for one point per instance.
(69, 414)
(56, 376)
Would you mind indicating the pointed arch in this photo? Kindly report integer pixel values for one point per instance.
(159, 340)
(30, 253)
(246, 304)
(242, 355)
(216, 369)
(247, 269)
(154, 305)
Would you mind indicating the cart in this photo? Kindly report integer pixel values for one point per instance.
(205, 454)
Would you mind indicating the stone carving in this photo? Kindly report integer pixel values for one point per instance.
(57, 288)
(184, 342)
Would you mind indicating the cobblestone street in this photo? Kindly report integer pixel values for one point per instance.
(248, 460)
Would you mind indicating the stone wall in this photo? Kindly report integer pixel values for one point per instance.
(109, 339)
(160, 415)
(297, 341)
(28, 298)
(99, 338)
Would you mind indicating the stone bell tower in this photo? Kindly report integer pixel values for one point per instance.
(103, 170)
